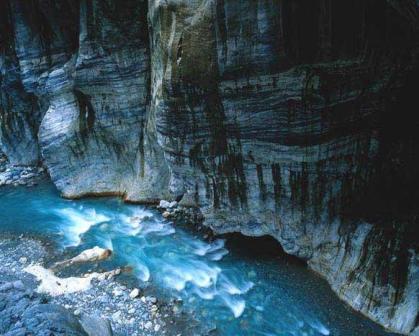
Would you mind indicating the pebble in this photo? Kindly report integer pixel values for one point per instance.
(108, 299)
(134, 293)
(117, 292)
(19, 176)
(172, 204)
(116, 316)
(148, 325)
(23, 260)
(7, 286)
(101, 277)
(18, 285)
(164, 204)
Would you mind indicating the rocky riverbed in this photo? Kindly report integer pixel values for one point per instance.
(293, 119)
(19, 175)
(107, 307)
(182, 281)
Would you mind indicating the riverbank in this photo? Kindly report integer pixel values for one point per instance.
(221, 285)
(112, 304)
(28, 176)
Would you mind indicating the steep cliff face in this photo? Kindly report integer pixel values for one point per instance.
(83, 80)
(19, 109)
(285, 118)
(274, 119)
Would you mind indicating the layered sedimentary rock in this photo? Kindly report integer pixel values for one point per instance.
(87, 74)
(275, 119)
(19, 110)
(286, 118)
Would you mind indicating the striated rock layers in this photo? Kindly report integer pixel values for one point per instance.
(287, 118)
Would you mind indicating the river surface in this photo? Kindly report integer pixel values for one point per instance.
(236, 287)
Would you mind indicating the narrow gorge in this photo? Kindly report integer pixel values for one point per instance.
(293, 119)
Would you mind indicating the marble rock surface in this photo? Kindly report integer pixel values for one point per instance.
(285, 118)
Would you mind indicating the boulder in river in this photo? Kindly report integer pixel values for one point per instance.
(94, 254)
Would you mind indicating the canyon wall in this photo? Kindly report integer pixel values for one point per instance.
(287, 118)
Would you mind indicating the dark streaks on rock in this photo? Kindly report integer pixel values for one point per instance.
(289, 118)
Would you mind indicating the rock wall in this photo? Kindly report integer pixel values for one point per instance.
(81, 93)
(284, 118)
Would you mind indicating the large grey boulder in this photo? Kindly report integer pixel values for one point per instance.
(23, 312)
(96, 326)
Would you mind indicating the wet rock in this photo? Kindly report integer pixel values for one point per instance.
(116, 316)
(152, 299)
(27, 314)
(172, 205)
(6, 286)
(117, 292)
(148, 325)
(43, 318)
(18, 285)
(23, 260)
(95, 326)
(101, 277)
(164, 204)
(167, 214)
(90, 255)
(134, 293)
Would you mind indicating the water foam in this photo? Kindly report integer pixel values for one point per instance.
(202, 248)
(76, 222)
(226, 285)
(236, 304)
(319, 327)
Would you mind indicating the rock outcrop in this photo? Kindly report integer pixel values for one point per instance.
(287, 118)
(23, 312)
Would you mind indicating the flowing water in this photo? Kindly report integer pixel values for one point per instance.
(235, 286)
